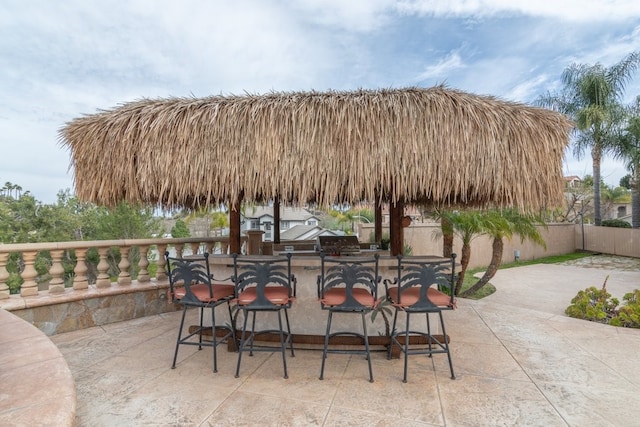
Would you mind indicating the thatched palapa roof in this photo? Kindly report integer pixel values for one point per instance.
(435, 146)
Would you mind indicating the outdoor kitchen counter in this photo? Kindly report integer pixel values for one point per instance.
(305, 315)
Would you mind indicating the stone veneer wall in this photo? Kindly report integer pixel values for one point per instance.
(72, 310)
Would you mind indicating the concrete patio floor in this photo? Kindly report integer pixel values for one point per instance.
(518, 359)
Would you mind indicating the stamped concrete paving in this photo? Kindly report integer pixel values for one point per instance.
(518, 360)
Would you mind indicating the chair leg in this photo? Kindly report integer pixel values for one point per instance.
(446, 345)
(234, 324)
(429, 337)
(406, 349)
(233, 327)
(326, 344)
(286, 316)
(283, 345)
(214, 338)
(366, 346)
(252, 336)
(200, 331)
(242, 343)
(393, 336)
(175, 354)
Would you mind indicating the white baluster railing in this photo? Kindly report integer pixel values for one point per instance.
(86, 273)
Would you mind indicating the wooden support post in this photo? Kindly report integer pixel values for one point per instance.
(396, 230)
(378, 221)
(276, 220)
(235, 245)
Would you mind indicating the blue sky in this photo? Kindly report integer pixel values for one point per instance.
(62, 59)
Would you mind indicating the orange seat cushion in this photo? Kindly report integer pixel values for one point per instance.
(277, 295)
(201, 291)
(337, 296)
(411, 296)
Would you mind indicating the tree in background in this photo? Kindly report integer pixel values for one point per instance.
(498, 224)
(180, 230)
(219, 222)
(625, 181)
(611, 196)
(345, 219)
(217, 218)
(125, 221)
(629, 151)
(501, 224)
(23, 219)
(11, 190)
(447, 237)
(467, 225)
(579, 198)
(591, 97)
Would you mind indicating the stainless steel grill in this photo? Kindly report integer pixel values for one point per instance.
(338, 245)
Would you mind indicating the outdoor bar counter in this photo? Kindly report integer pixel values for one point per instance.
(306, 316)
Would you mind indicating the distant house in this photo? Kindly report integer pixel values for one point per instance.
(307, 232)
(572, 181)
(261, 218)
(409, 210)
(619, 211)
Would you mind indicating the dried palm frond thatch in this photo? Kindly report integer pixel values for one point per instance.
(434, 146)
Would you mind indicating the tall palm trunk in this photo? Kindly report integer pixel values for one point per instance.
(496, 259)
(635, 199)
(596, 155)
(464, 263)
(447, 237)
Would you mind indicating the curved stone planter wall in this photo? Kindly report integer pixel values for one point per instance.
(36, 385)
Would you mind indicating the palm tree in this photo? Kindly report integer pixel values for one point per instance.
(629, 151)
(447, 237)
(501, 224)
(7, 189)
(591, 97)
(467, 225)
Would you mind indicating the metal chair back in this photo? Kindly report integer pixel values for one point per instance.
(350, 276)
(421, 274)
(191, 272)
(262, 273)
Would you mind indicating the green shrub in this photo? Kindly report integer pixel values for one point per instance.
(597, 305)
(14, 282)
(615, 223)
(629, 314)
(407, 250)
(593, 304)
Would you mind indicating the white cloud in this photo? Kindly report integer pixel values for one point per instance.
(445, 67)
(565, 10)
(351, 15)
(528, 89)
